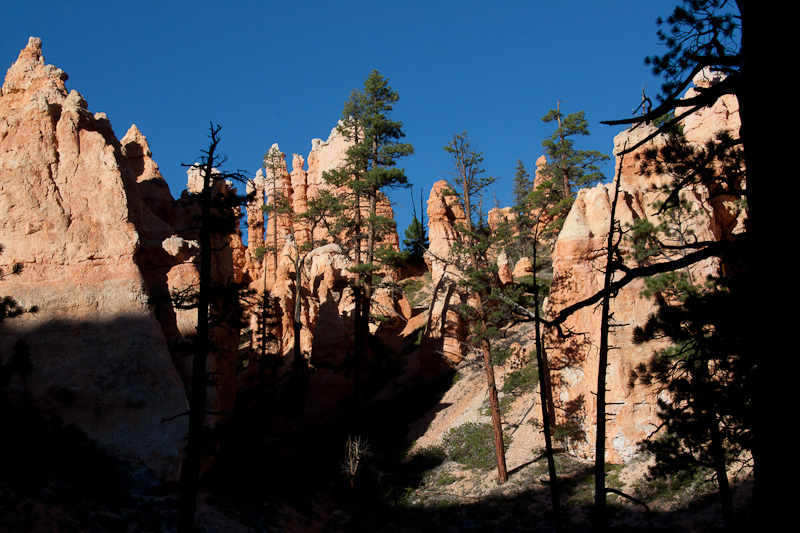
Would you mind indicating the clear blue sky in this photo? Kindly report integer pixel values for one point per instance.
(280, 72)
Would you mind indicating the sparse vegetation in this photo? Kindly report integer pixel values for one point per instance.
(446, 478)
(418, 289)
(504, 403)
(680, 488)
(569, 430)
(521, 381)
(259, 253)
(472, 445)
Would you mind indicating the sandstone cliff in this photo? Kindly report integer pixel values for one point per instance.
(578, 263)
(70, 207)
(326, 301)
(102, 244)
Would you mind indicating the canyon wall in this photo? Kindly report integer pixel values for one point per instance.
(327, 301)
(92, 223)
(578, 265)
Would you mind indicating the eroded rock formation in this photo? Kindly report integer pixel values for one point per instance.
(70, 205)
(579, 260)
(102, 244)
(327, 302)
(446, 330)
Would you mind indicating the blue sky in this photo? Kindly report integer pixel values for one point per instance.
(281, 71)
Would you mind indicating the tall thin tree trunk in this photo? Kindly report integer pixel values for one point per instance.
(602, 368)
(497, 424)
(725, 496)
(299, 358)
(545, 394)
(190, 469)
(359, 341)
(700, 374)
(263, 325)
(299, 362)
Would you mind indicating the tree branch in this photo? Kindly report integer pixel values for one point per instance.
(712, 249)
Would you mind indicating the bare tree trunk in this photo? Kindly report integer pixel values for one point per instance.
(263, 326)
(602, 368)
(359, 341)
(546, 396)
(190, 469)
(299, 362)
(600, 440)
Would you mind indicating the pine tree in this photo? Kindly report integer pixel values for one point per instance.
(531, 222)
(710, 379)
(416, 241)
(472, 255)
(272, 165)
(368, 172)
(541, 206)
(568, 169)
(708, 372)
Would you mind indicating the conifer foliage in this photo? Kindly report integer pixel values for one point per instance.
(710, 379)
(568, 169)
(472, 254)
(368, 172)
(416, 238)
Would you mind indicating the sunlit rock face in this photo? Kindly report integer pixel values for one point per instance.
(72, 215)
(327, 303)
(579, 260)
(446, 329)
(103, 246)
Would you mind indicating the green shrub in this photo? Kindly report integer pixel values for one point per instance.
(259, 253)
(682, 486)
(500, 354)
(446, 479)
(429, 457)
(522, 380)
(472, 445)
(570, 430)
(413, 289)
